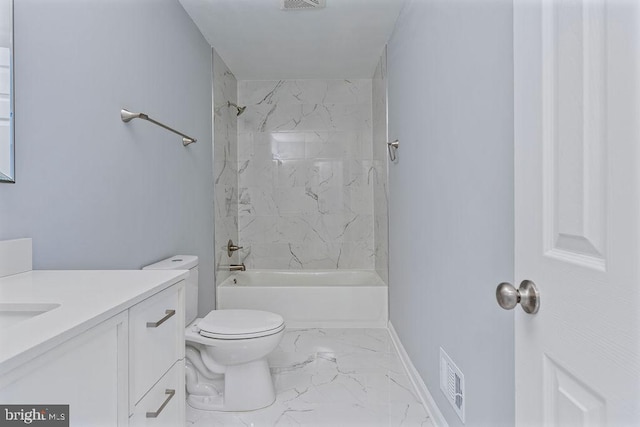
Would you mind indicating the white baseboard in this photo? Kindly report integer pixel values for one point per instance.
(418, 384)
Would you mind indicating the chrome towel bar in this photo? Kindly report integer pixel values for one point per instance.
(127, 116)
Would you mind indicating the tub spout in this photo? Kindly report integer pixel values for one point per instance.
(237, 267)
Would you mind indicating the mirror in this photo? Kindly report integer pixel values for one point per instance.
(7, 144)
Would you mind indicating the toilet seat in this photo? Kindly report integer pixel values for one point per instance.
(240, 324)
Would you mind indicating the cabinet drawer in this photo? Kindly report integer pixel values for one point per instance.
(156, 339)
(164, 405)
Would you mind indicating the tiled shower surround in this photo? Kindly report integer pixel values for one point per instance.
(305, 174)
(380, 190)
(225, 164)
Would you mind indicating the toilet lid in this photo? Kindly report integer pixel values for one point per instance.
(240, 324)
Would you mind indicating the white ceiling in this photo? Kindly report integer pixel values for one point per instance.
(258, 41)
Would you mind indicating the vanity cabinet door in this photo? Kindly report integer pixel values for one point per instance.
(82, 373)
(164, 404)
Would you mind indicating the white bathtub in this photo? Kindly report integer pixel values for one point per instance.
(310, 298)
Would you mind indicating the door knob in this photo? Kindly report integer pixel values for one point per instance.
(527, 295)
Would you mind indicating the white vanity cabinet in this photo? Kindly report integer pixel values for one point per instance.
(125, 370)
(156, 360)
(82, 373)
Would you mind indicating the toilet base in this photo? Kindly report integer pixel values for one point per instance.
(247, 387)
(205, 403)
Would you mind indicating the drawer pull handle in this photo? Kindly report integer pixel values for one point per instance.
(168, 313)
(171, 393)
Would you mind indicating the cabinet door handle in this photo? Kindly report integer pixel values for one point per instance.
(169, 392)
(168, 313)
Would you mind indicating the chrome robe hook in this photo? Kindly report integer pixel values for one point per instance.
(392, 147)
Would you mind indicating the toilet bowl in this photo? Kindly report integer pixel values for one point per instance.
(234, 343)
(226, 351)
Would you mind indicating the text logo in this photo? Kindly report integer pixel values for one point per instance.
(34, 415)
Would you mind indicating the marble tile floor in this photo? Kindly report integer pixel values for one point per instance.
(331, 378)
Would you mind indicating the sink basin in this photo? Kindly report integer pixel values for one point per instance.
(13, 313)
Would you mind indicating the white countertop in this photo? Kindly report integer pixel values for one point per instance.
(86, 299)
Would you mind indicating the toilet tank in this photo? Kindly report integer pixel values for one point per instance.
(183, 262)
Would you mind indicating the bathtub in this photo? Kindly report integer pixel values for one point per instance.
(310, 298)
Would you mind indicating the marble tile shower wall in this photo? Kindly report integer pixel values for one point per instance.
(305, 174)
(380, 190)
(225, 162)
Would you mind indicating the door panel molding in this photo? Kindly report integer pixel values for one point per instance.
(568, 399)
(574, 129)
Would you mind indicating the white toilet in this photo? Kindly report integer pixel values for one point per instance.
(226, 351)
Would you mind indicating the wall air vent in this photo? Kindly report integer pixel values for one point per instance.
(452, 384)
(302, 4)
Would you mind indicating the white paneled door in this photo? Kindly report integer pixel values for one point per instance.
(577, 168)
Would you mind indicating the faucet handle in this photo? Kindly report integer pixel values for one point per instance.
(231, 248)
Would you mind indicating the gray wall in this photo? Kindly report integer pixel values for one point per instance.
(451, 197)
(92, 191)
